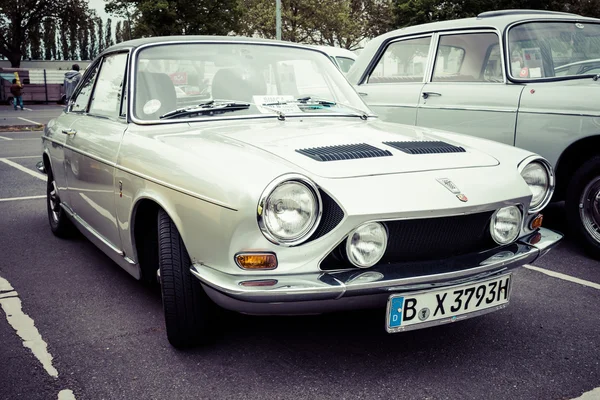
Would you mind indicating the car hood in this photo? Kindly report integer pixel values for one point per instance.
(286, 139)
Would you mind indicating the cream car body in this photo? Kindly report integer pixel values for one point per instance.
(520, 77)
(210, 175)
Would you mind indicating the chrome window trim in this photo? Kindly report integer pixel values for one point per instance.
(293, 177)
(132, 73)
(551, 180)
(525, 21)
(469, 32)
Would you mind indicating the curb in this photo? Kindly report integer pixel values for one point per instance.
(21, 128)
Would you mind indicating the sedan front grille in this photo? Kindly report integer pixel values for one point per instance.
(344, 152)
(425, 147)
(426, 239)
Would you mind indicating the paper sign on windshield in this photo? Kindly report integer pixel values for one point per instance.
(279, 103)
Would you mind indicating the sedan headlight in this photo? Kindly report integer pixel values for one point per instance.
(289, 210)
(539, 177)
(366, 244)
(506, 224)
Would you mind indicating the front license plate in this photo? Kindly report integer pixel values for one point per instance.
(423, 309)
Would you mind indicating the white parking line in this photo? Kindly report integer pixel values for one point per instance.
(28, 120)
(591, 395)
(563, 276)
(23, 198)
(19, 157)
(5, 138)
(22, 168)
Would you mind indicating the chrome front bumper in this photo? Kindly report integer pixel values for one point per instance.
(329, 288)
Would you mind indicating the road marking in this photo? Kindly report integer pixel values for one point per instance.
(5, 138)
(28, 120)
(591, 395)
(564, 277)
(22, 168)
(26, 329)
(19, 157)
(23, 198)
(66, 394)
(28, 109)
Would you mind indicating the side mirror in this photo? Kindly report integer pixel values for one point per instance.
(40, 167)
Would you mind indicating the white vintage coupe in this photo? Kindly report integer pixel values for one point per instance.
(279, 192)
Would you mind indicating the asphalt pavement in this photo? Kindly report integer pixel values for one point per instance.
(32, 115)
(105, 337)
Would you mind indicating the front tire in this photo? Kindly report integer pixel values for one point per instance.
(188, 310)
(60, 225)
(583, 206)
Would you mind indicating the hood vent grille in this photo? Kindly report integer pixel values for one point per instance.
(425, 147)
(344, 152)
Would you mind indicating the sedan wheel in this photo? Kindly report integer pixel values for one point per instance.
(188, 310)
(60, 224)
(583, 205)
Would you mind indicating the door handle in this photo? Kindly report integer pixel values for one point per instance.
(70, 132)
(427, 94)
(362, 94)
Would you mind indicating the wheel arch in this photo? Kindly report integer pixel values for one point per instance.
(571, 159)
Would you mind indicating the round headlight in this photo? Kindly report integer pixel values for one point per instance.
(289, 212)
(538, 178)
(506, 224)
(366, 244)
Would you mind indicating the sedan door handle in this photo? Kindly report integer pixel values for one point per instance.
(427, 94)
(70, 132)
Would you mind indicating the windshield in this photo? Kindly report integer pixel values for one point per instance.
(540, 50)
(270, 78)
(345, 63)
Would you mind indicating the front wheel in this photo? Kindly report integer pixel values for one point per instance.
(583, 206)
(188, 310)
(60, 225)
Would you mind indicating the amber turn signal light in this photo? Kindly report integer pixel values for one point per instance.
(256, 260)
(536, 222)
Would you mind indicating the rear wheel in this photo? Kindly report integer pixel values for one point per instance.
(60, 225)
(583, 206)
(188, 310)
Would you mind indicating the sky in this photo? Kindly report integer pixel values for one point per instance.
(98, 5)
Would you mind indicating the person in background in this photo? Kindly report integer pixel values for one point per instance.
(17, 92)
(72, 78)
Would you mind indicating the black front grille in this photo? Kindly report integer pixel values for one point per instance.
(425, 147)
(427, 239)
(331, 217)
(344, 152)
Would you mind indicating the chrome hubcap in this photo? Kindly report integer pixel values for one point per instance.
(589, 208)
(54, 202)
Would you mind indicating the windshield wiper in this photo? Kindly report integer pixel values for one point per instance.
(596, 77)
(207, 108)
(324, 102)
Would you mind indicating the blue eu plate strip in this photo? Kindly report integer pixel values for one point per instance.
(396, 312)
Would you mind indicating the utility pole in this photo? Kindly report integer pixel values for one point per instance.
(278, 18)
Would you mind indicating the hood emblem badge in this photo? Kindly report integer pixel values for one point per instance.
(448, 184)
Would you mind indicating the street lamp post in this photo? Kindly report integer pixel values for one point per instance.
(278, 19)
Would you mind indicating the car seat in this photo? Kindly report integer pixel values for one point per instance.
(155, 95)
(229, 84)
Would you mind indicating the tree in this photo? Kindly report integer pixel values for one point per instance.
(108, 40)
(83, 39)
(126, 31)
(118, 34)
(100, 34)
(91, 26)
(35, 42)
(49, 40)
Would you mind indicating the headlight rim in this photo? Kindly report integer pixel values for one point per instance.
(298, 178)
(520, 227)
(349, 236)
(551, 180)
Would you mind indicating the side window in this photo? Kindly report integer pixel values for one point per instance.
(107, 95)
(83, 97)
(472, 57)
(403, 61)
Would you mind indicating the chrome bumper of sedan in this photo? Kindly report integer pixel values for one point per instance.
(360, 288)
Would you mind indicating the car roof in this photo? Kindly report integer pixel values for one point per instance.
(130, 44)
(336, 51)
(499, 20)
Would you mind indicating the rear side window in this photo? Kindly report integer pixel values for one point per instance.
(472, 57)
(81, 101)
(403, 61)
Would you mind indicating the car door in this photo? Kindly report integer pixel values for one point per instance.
(393, 86)
(468, 92)
(93, 145)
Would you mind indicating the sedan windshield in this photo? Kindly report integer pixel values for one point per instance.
(205, 80)
(541, 50)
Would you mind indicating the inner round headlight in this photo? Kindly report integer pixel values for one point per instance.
(506, 224)
(536, 176)
(366, 244)
(289, 212)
